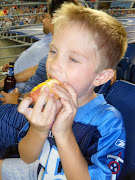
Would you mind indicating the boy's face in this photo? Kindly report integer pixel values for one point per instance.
(72, 59)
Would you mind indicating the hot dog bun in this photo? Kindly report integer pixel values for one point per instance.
(36, 91)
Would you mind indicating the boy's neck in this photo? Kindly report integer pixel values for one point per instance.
(84, 100)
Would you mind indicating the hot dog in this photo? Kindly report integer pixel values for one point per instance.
(36, 91)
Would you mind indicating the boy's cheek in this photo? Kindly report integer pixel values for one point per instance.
(47, 64)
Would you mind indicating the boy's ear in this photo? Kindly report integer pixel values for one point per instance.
(103, 77)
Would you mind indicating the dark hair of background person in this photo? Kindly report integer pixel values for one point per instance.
(55, 4)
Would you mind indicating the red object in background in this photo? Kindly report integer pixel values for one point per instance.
(5, 11)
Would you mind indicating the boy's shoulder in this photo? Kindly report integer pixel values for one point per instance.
(100, 114)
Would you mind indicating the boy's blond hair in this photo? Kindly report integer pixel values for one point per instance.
(109, 35)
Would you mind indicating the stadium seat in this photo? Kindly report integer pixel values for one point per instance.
(123, 72)
(133, 73)
(123, 69)
(130, 53)
(122, 96)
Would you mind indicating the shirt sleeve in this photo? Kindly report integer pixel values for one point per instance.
(23, 131)
(39, 77)
(108, 160)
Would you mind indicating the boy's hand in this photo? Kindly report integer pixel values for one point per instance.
(10, 98)
(65, 117)
(40, 120)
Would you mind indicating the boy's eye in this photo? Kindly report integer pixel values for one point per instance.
(73, 60)
(52, 51)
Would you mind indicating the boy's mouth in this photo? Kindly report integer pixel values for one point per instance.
(49, 76)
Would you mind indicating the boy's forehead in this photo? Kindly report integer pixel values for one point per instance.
(78, 27)
(73, 40)
(75, 31)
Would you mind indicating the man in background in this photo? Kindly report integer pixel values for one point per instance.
(26, 64)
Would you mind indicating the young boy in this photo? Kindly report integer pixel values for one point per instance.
(79, 137)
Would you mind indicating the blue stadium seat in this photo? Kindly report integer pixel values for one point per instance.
(123, 69)
(122, 96)
(123, 72)
(131, 52)
(133, 73)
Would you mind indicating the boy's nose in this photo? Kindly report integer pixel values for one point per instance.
(56, 64)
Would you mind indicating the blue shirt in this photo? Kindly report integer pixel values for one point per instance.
(99, 131)
(32, 56)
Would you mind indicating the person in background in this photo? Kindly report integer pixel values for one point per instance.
(26, 65)
(4, 68)
(27, 62)
(76, 137)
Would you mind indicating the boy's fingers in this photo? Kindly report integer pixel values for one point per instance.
(23, 106)
(42, 99)
(48, 106)
(67, 93)
(67, 108)
(62, 88)
(58, 104)
(72, 93)
(61, 92)
(50, 116)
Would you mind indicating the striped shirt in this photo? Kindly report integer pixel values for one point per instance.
(11, 121)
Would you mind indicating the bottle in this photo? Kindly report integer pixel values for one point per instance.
(10, 81)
